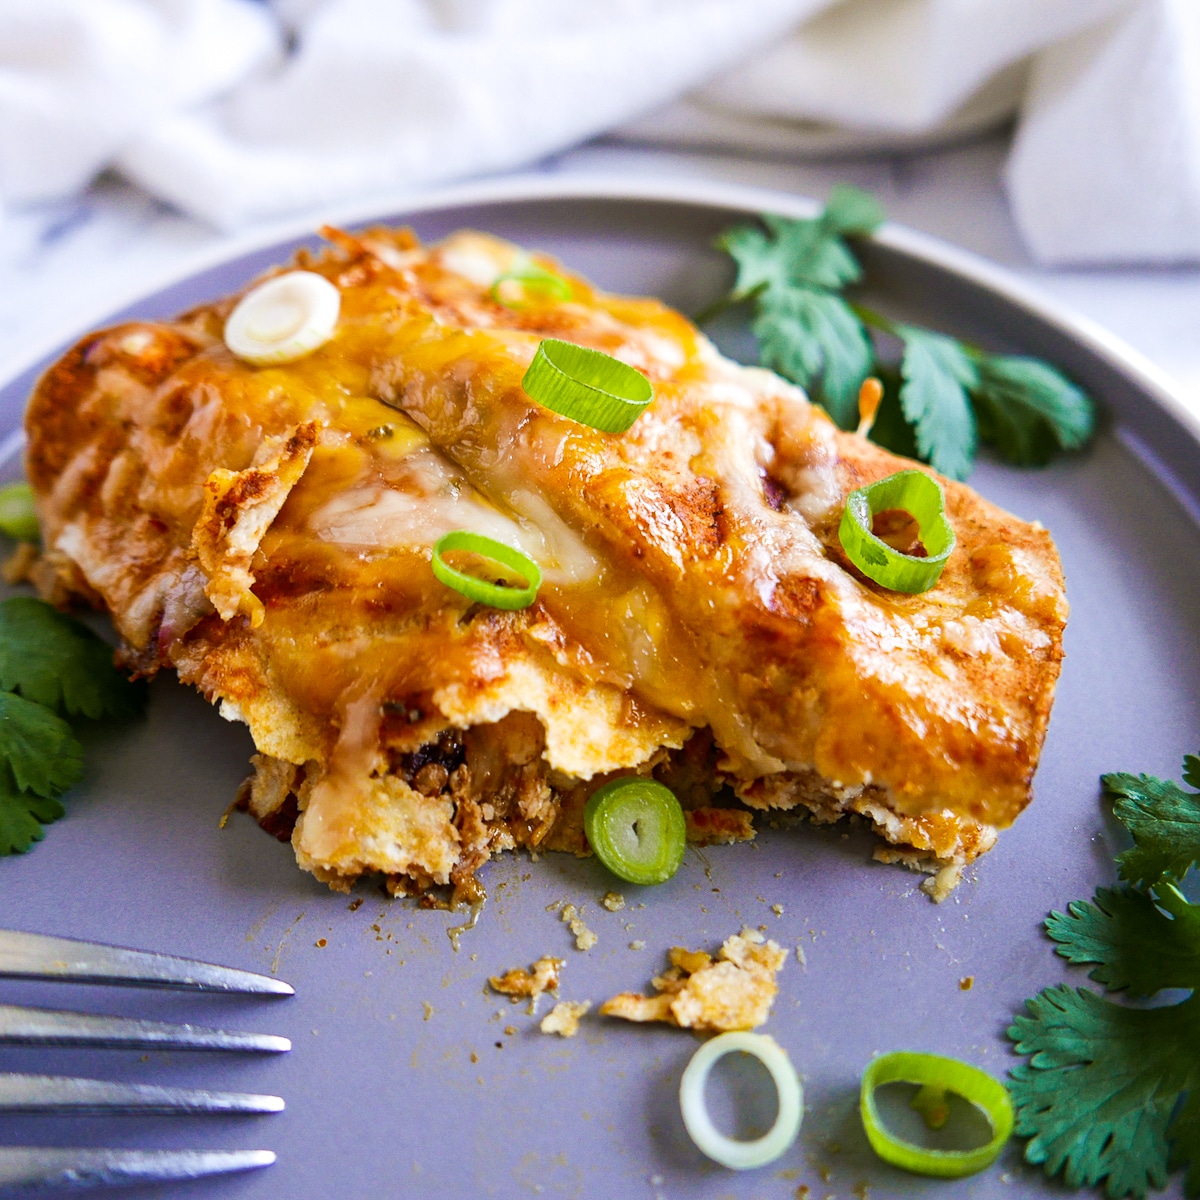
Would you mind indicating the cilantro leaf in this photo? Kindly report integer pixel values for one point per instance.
(39, 748)
(804, 333)
(1191, 770)
(1136, 945)
(1165, 823)
(1111, 1094)
(1097, 1096)
(851, 211)
(952, 396)
(803, 253)
(1185, 1143)
(1027, 410)
(937, 376)
(51, 659)
(22, 816)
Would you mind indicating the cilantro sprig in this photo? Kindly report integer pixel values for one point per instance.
(946, 395)
(50, 664)
(1111, 1093)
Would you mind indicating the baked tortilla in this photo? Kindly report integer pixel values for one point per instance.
(266, 532)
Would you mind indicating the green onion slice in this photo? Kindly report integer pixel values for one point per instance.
(911, 492)
(589, 387)
(730, 1152)
(637, 830)
(934, 1072)
(18, 517)
(531, 283)
(497, 595)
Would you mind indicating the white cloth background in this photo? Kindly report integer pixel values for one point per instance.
(236, 111)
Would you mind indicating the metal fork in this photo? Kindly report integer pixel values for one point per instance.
(34, 956)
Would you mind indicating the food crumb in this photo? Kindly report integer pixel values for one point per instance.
(585, 939)
(474, 1057)
(938, 887)
(803, 1192)
(800, 956)
(637, 944)
(734, 992)
(777, 909)
(510, 1031)
(563, 1018)
(428, 1010)
(966, 983)
(613, 901)
(356, 904)
(518, 984)
(322, 943)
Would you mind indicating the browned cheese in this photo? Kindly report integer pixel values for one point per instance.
(266, 532)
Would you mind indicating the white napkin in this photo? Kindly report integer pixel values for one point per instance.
(80, 80)
(197, 101)
(389, 93)
(1106, 162)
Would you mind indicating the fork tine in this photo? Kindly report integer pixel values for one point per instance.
(81, 1097)
(21, 1026)
(36, 956)
(27, 1169)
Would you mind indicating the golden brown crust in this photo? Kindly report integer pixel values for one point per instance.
(266, 531)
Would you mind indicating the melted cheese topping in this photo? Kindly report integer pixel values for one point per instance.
(677, 593)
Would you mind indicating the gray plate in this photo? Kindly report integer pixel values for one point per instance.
(405, 1079)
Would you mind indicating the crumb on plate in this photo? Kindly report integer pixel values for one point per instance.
(563, 1018)
(937, 887)
(733, 992)
(518, 984)
(585, 939)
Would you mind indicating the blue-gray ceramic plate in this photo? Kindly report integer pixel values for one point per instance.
(407, 1077)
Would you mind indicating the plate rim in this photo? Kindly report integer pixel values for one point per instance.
(1159, 386)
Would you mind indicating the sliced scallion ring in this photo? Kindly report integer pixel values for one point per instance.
(496, 595)
(636, 828)
(18, 517)
(907, 492)
(531, 283)
(284, 319)
(989, 1095)
(589, 387)
(729, 1152)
